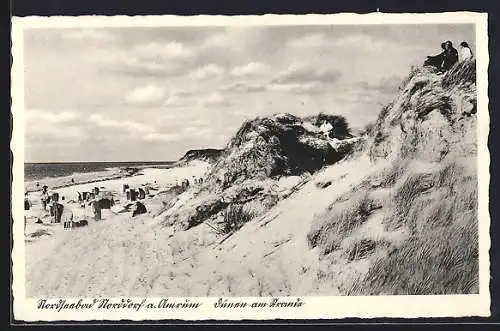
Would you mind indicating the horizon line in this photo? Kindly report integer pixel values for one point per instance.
(160, 161)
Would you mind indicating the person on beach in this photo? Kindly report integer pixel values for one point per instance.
(142, 193)
(465, 51)
(52, 202)
(96, 205)
(67, 215)
(44, 197)
(57, 209)
(138, 209)
(96, 208)
(27, 202)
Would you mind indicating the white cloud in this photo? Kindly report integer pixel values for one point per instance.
(231, 38)
(163, 51)
(360, 40)
(250, 69)
(365, 41)
(387, 84)
(88, 35)
(183, 94)
(145, 132)
(44, 132)
(301, 72)
(133, 65)
(49, 117)
(211, 71)
(178, 99)
(145, 59)
(194, 131)
(216, 100)
(309, 41)
(44, 125)
(163, 137)
(175, 101)
(126, 62)
(221, 137)
(244, 87)
(302, 88)
(147, 95)
(200, 122)
(216, 40)
(135, 127)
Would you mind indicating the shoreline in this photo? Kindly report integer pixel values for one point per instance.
(164, 177)
(59, 182)
(103, 179)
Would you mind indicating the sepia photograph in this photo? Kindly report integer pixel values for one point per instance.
(233, 160)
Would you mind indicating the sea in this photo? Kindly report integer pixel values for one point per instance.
(39, 171)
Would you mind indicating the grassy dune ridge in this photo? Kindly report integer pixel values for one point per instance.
(429, 195)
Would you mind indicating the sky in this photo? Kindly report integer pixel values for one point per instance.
(152, 93)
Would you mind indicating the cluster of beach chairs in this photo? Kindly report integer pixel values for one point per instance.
(131, 201)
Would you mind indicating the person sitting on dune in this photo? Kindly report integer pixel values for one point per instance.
(465, 51)
(450, 56)
(436, 61)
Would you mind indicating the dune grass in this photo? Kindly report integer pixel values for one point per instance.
(461, 73)
(411, 188)
(235, 216)
(329, 229)
(442, 261)
(441, 255)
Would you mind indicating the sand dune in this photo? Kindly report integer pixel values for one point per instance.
(393, 212)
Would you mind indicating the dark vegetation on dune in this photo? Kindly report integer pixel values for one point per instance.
(262, 150)
(280, 146)
(205, 154)
(341, 129)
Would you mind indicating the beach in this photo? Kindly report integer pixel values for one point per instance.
(34, 181)
(41, 236)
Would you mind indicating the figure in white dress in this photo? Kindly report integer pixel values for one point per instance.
(465, 51)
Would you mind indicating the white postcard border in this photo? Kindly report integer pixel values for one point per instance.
(315, 307)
